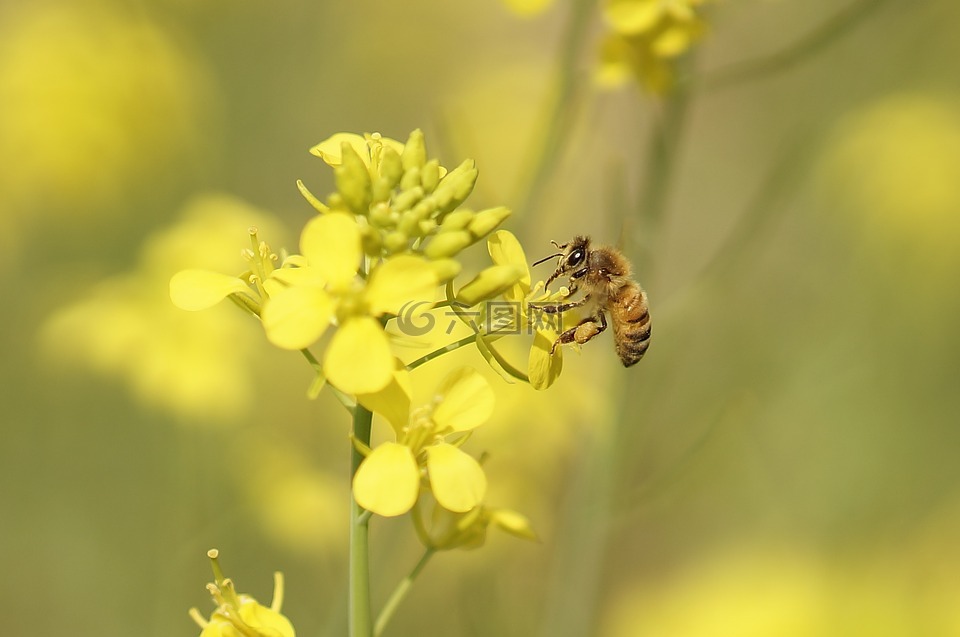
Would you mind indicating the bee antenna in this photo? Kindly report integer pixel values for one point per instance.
(559, 254)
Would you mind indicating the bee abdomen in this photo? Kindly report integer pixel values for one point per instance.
(633, 330)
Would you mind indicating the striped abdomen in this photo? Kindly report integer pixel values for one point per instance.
(631, 323)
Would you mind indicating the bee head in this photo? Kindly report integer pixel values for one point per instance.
(572, 256)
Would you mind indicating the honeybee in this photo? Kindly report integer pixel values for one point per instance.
(603, 273)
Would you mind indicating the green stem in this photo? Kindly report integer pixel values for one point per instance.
(400, 593)
(660, 165)
(466, 340)
(818, 39)
(563, 106)
(574, 593)
(359, 594)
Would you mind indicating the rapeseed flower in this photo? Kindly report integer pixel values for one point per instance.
(387, 238)
(426, 452)
(240, 615)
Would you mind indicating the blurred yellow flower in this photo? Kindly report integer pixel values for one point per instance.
(93, 101)
(388, 480)
(751, 594)
(239, 615)
(645, 38)
(297, 504)
(198, 367)
(894, 162)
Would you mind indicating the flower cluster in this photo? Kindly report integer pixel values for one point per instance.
(645, 39)
(386, 238)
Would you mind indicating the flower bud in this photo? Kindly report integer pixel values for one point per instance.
(406, 199)
(430, 175)
(382, 189)
(410, 179)
(456, 186)
(427, 226)
(381, 216)
(489, 283)
(353, 180)
(446, 269)
(447, 244)
(456, 220)
(414, 151)
(485, 221)
(395, 241)
(391, 166)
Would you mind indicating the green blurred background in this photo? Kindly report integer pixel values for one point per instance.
(783, 461)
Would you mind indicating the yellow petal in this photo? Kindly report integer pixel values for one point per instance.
(457, 480)
(393, 401)
(466, 401)
(504, 249)
(329, 150)
(388, 480)
(296, 317)
(264, 620)
(199, 289)
(543, 368)
(358, 360)
(331, 244)
(401, 280)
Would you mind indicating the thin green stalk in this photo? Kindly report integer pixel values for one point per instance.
(661, 161)
(466, 340)
(400, 593)
(574, 593)
(562, 108)
(800, 51)
(359, 593)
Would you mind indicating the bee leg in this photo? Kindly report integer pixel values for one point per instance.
(563, 307)
(582, 331)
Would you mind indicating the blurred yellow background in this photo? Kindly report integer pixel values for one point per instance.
(783, 462)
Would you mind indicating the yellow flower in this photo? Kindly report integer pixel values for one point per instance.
(328, 290)
(388, 481)
(239, 615)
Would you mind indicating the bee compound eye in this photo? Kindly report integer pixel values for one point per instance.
(576, 257)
